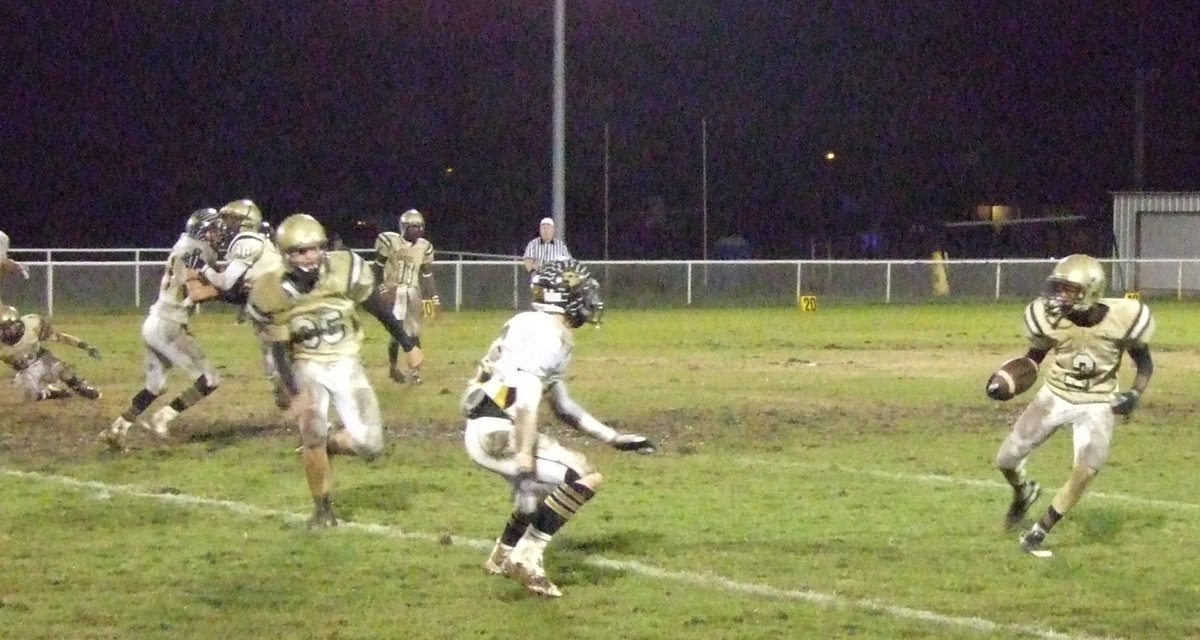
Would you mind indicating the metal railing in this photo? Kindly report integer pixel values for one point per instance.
(107, 280)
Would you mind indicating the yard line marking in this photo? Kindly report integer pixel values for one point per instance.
(706, 580)
(939, 478)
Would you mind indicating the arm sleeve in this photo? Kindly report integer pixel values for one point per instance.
(225, 279)
(576, 416)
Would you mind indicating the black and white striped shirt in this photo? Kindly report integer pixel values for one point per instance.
(546, 251)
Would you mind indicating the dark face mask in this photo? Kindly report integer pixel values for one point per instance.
(304, 280)
(11, 331)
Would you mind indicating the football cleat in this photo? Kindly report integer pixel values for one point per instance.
(397, 375)
(529, 572)
(1031, 541)
(414, 376)
(322, 519)
(1022, 500)
(160, 422)
(495, 562)
(114, 435)
(88, 391)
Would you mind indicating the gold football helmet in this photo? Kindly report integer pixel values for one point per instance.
(241, 215)
(1075, 284)
(8, 313)
(412, 225)
(297, 234)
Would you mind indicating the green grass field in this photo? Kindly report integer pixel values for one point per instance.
(820, 475)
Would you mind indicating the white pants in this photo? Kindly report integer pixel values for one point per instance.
(1091, 427)
(168, 345)
(409, 309)
(40, 375)
(489, 444)
(344, 383)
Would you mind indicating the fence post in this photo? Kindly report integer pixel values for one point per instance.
(1179, 282)
(137, 278)
(516, 287)
(996, 294)
(689, 285)
(887, 287)
(49, 284)
(799, 281)
(458, 274)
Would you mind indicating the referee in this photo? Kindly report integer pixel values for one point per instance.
(545, 247)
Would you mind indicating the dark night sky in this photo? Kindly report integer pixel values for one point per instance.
(122, 117)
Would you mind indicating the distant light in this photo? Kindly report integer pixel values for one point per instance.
(449, 170)
(830, 156)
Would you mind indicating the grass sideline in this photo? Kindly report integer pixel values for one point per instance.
(821, 474)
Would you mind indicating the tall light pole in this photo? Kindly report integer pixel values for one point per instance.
(558, 197)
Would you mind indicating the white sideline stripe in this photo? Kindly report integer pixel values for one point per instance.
(938, 478)
(706, 580)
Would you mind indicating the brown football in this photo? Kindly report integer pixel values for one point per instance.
(1013, 378)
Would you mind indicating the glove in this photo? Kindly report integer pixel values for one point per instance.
(431, 307)
(1125, 402)
(92, 351)
(526, 498)
(194, 261)
(632, 442)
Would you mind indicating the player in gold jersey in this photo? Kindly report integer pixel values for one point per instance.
(40, 374)
(1085, 336)
(403, 262)
(308, 311)
(249, 255)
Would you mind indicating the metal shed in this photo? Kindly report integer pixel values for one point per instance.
(1150, 225)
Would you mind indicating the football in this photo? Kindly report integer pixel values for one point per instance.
(1013, 378)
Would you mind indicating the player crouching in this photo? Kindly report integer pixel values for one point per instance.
(40, 374)
(526, 363)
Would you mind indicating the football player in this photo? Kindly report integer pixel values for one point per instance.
(40, 374)
(308, 311)
(1085, 335)
(250, 254)
(526, 363)
(167, 341)
(7, 264)
(404, 267)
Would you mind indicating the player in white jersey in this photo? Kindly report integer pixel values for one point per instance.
(7, 264)
(40, 375)
(308, 310)
(168, 344)
(526, 363)
(1085, 336)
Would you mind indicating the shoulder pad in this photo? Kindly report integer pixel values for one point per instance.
(246, 247)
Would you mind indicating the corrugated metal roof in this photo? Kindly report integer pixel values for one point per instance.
(1128, 205)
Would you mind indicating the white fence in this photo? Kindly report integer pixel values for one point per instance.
(67, 280)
